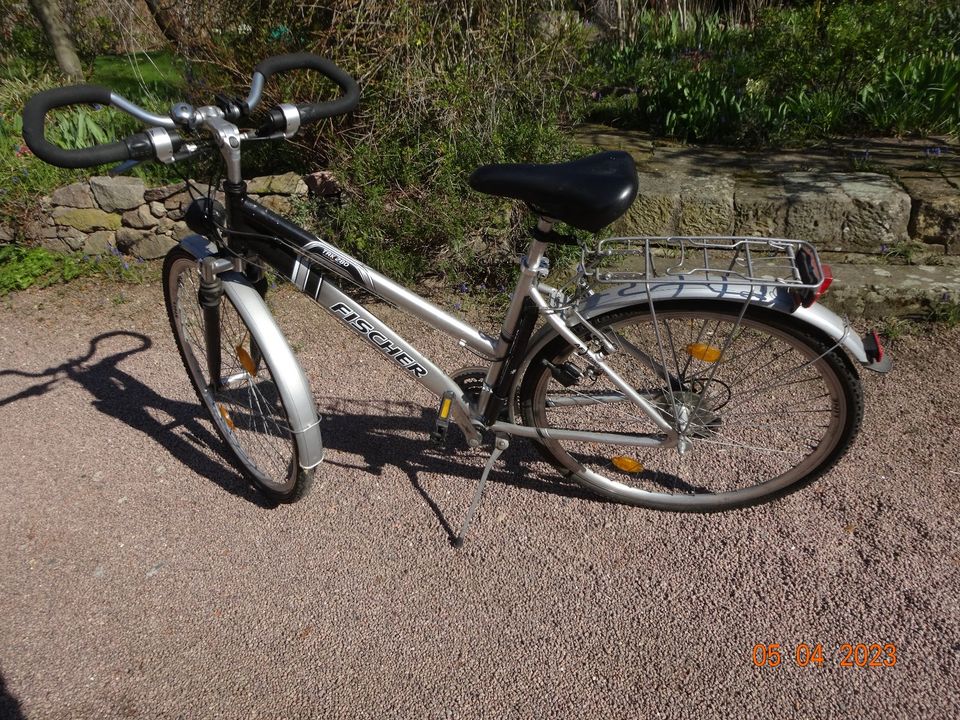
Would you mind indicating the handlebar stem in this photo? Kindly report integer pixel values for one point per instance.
(227, 136)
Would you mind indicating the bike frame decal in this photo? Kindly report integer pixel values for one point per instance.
(300, 269)
(377, 338)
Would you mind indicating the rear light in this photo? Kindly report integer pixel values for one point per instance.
(873, 346)
(825, 285)
(812, 273)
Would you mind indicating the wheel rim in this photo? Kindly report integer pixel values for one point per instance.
(763, 411)
(246, 407)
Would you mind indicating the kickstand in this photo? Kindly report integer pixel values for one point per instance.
(499, 445)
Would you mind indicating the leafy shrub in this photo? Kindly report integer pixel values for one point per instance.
(798, 74)
(445, 87)
(24, 178)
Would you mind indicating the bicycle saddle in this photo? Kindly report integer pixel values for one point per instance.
(588, 193)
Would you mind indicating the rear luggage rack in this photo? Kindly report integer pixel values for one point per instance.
(730, 260)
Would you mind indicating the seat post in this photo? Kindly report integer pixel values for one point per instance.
(545, 225)
(529, 267)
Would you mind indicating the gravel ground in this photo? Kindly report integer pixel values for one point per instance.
(141, 578)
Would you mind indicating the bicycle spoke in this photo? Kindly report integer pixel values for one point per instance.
(760, 410)
(246, 406)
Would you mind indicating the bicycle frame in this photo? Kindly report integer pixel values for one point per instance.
(306, 261)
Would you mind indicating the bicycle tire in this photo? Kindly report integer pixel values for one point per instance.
(742, 409)
(247, 410)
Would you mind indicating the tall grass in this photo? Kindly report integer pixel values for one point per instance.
(794, 75)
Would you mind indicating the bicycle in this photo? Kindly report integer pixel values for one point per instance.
(676, 373)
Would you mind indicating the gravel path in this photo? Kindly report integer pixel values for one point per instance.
(142, 579)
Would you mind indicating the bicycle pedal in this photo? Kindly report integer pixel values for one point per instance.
(439, 433)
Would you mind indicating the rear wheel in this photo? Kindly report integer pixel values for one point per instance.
(766, 406)
(244, 403)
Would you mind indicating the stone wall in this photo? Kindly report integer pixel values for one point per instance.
(862, 196)
(850, 212)
(106, 214)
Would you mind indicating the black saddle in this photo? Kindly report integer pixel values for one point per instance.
(588, 193)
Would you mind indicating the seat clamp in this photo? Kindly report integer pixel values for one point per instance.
(553, 236)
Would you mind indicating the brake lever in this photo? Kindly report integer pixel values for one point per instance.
(186, 151)
(123, 168)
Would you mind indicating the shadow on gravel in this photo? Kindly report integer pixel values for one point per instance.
(382, 437)
(120, 395)
(9, 705)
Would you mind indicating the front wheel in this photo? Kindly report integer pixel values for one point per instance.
(764, 406)
(244, 402)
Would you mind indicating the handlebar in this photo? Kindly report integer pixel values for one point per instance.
(135, 147)
(163, 141)
(280, 119)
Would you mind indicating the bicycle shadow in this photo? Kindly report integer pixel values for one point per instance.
(381, 438)
(120, 395)
(9, 705)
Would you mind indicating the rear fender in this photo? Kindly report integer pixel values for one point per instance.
(822, 321)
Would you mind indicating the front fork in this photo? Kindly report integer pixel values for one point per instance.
(210, 296)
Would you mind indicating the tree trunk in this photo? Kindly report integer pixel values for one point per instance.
(166, 19)
(50, 15)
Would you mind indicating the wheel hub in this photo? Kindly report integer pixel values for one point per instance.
(689, 412)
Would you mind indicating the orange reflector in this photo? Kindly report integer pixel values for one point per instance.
(226, 416)
(702, 351)
(244, 357)
(626, 464)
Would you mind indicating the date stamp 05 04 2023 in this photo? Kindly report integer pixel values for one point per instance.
(848, 655)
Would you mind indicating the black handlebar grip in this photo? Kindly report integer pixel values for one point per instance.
(311, 112)
(34, 114)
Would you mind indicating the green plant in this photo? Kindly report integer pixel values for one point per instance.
(861, 161)
(945, 311)
(22, 177)
(151, 82)
(893, 328)
(797, 74)
(906, 251)
(22, 267)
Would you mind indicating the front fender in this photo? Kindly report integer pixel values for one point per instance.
(292, 383)
(198, 246)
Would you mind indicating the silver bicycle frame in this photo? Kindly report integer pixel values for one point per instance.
(312, 257)
(311, 260)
